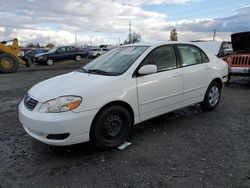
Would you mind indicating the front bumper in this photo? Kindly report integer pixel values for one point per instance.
(41, 125)
(39, 60)
(239, 70)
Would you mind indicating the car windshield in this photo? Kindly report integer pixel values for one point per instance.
(116, 61)
(52, 49)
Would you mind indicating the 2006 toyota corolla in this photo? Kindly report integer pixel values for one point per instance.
(128, 85)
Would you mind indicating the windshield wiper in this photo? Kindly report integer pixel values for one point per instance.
(98, 71)
(82, 70)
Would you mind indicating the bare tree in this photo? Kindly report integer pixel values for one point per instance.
(135, 38)
(173, 35)
(50, 45)
(30, 45)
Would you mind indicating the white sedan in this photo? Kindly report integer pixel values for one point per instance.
(101, 101)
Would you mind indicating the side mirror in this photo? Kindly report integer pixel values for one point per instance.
(147, 69)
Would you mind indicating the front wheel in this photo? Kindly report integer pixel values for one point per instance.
(212, 96)
(78, 58)
(50, 62)
(8, 63)
(111, 127)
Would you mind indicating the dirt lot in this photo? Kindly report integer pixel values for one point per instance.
(186, 148)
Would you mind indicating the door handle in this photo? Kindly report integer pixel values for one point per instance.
(177, 74)
(208, 68)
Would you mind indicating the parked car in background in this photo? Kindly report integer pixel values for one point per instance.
(22, 51)
(29, 55)
(59, 54)
(239, 60)
(123, 87)
(96, 52)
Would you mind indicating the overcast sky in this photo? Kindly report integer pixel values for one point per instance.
(106, 21)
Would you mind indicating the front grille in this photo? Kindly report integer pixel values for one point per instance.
(240, 60)
(29, 102)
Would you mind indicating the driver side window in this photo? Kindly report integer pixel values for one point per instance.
(61, 50)
(163, 57)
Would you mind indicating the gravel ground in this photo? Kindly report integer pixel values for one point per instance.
(185, 148)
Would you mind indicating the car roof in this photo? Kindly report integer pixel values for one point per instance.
(159, 43)
(65, 46)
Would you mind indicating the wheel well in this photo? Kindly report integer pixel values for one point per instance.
(118, 103)
(218, 80)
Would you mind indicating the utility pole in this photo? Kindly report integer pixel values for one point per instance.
(76, 38)
(214, 34)
(129, 33)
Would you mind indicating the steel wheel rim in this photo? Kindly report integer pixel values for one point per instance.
(113, 127)
(50, 62)
(214, 95)
(6, 63)
(78, 58)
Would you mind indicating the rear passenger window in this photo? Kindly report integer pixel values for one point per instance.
(191, 55)
(204, 57)
(163, 57)
(71, 49)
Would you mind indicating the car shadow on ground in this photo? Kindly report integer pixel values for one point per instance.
(239, 82)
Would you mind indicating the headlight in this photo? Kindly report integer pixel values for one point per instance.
(41, 57)
(61, 104)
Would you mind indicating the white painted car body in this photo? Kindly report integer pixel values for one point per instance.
(148, 96)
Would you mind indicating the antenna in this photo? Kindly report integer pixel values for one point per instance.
(129, 33)
(76, 38)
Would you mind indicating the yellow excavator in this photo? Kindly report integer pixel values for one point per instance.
(9, 59)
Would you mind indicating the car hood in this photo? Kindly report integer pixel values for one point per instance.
(241, 41)
(43, 54)
(74, 83)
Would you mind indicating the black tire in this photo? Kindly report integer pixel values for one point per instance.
(212, 96)
(229, 78)
(98, 55)
(8, 63)
(28, 61)
(111, 127)
(50, 62)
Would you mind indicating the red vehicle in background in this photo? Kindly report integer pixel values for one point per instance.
(239, 60)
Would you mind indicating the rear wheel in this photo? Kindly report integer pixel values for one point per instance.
(78, 58)
(212, 96)
(111, 127)
(50, 62)
(8, 63)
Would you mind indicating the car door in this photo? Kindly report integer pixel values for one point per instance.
(197, 72)
(160, 92)
(72, 52)
(60, 53)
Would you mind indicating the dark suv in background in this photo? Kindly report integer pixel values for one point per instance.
(60, 53)
(239, 60)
